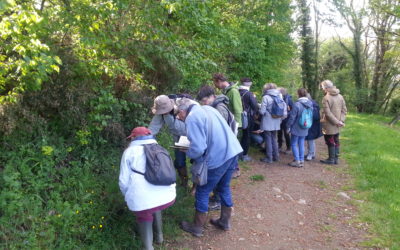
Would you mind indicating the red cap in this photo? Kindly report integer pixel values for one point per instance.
(139, 131)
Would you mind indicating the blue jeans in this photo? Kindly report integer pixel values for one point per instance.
(220, 179)
(180, 159)
(297, 143)
(311, 148)
(256, 138)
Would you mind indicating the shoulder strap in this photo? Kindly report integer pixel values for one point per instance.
(208, 133)
(273, 101)
(134, 170)
(244, 94)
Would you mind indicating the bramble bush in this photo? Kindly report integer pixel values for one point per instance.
(59, 188)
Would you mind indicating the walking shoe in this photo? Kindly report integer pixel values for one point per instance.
(246, 158)
(301, 164)
(215, 205)
(265, 160)
(295, 164)
(309, 158)
(236, 174)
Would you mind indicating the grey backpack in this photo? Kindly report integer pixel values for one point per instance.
(160, 169)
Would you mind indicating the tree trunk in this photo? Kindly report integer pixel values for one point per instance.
(395, 120)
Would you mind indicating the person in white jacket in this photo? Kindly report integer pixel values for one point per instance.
(144, 199)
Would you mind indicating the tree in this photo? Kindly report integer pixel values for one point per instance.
(354, 20)
(308, 58)
(386, 64)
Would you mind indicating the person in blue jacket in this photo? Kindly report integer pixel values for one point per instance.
(298, 134)
(314, 132)
(209, 133)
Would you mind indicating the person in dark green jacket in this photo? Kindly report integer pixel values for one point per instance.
(231, 90)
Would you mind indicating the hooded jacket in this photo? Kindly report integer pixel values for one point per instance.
(221, 103)
(333, 110)
(295, 115)
(249, 101)
(140, 194)
(235, 101)
(267, 122)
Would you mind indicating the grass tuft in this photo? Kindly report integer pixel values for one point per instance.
(257, 177)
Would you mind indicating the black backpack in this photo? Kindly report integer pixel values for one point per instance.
(160, 169)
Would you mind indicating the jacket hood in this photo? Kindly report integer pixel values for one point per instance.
(333, 91)
(220, 98)
(231, 85)
(273, 92)
(306, 102)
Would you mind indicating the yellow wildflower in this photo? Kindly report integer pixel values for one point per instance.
(100, 226)
(77, 212)
(93, 227)
(102, 217)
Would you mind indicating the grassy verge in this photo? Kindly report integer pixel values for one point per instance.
(372, 150)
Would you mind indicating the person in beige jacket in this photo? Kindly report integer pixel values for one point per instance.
(333, 116)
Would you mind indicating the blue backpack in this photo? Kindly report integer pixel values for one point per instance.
(278, 107)
(306, 118)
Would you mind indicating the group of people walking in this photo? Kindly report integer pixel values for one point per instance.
(212, 124)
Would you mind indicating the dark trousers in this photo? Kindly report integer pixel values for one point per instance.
(245, 140)
(283, 132)
(332, 140)
(180, 159)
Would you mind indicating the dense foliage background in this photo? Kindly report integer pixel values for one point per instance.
(77, 75)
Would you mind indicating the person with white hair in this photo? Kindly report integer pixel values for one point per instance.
(213, 142)
(334, 112)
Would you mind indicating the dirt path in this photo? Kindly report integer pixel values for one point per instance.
(291, 209)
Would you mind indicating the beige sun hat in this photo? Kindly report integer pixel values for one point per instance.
(162, 105)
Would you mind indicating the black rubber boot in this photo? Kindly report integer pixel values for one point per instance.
(331, 158)
(146, 234)
(336, 158)
(197, 227)
(183, 176)
(157, 228)
(224, 222)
